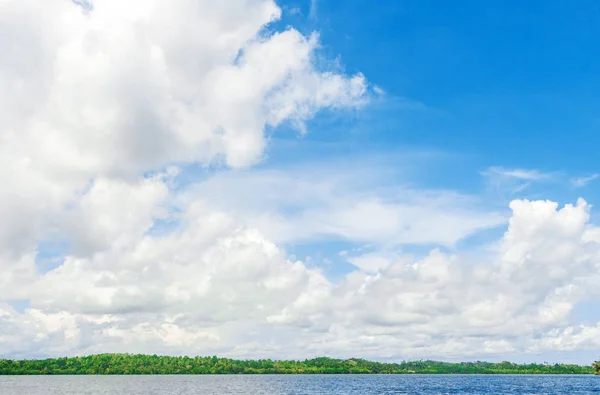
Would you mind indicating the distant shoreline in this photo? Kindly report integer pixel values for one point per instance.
(138, 364)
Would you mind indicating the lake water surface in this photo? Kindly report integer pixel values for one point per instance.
(299, 384)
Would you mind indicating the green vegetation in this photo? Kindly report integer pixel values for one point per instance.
(153, 364)
(596, 367)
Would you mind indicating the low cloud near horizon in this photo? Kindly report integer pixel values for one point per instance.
(106, 105)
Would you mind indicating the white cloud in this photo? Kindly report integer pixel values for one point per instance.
(229, 272)
(448, 305)
(113, 211)
(93, 96)
(188, 291)
(130, 87)
(569, 338)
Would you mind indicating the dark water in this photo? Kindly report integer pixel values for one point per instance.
(309, 384)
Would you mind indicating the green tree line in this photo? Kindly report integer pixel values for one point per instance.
(154, 364)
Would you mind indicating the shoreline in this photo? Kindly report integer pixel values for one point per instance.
(140, 364)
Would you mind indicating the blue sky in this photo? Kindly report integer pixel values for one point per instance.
(514, 84)
(505, 82)
(394, 180)
(488, 84)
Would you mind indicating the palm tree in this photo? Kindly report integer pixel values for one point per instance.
(596, 366)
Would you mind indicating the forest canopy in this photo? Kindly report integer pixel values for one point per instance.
(154, 364)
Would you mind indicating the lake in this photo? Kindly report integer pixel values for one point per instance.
(299, 384)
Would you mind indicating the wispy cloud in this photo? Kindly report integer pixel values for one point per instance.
(521, 187)
(312, 14)
(510, 182)
(293, 10)
(378, 90)
(521, 174)
(579, 182)
(321, 201)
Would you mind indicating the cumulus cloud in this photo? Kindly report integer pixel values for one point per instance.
(96, 94)
(188, 291)
(114, 212)
(130, 87)
(569, 338)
